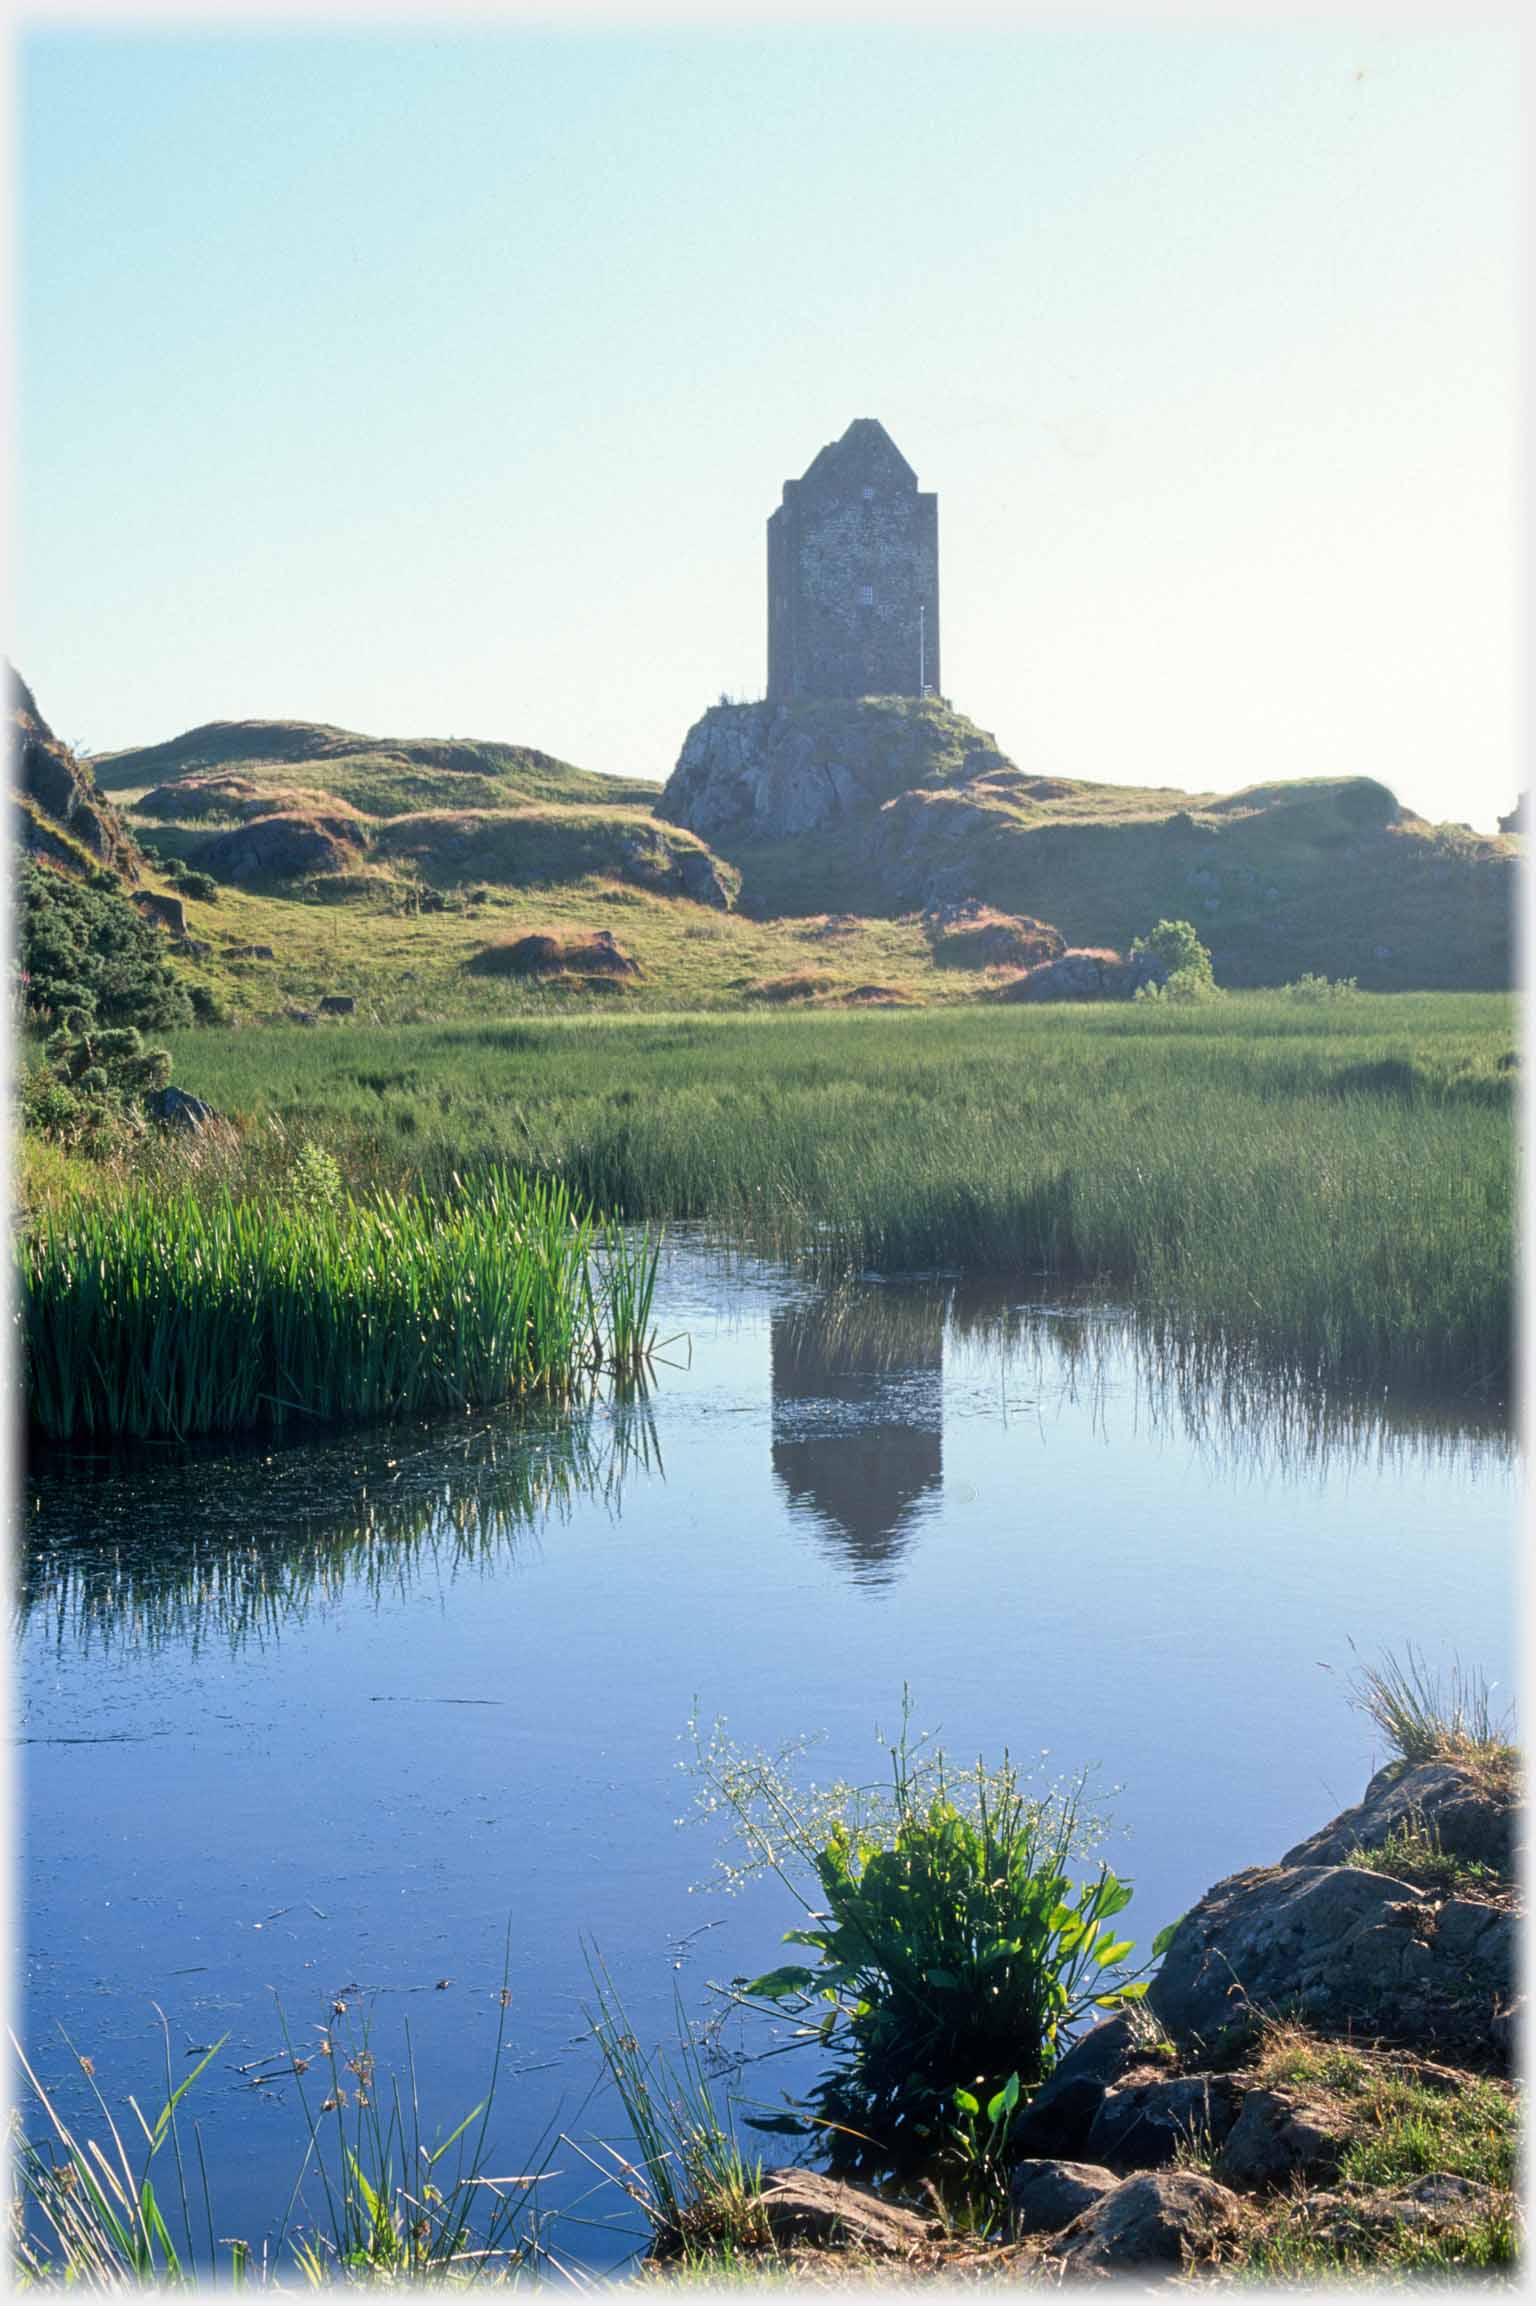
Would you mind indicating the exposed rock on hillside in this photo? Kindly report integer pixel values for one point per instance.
(63, 815)
(892, 805)
(548, 953)
(770, 772)
(521, 846)
(1085, 974)
(975, 936)
(280, 847)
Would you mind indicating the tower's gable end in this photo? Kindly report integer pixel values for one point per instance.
(865, 456)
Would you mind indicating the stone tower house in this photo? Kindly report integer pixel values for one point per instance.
(853, 575)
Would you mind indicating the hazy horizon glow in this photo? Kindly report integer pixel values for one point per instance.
(441, 382)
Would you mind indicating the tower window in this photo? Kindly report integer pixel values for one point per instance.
(866, 596)
(869, 496)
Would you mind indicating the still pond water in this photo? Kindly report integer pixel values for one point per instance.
(341, 1720)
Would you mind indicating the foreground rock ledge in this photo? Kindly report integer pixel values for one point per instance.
(1170, 2139)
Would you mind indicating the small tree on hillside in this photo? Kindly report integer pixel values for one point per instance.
(1176, 947)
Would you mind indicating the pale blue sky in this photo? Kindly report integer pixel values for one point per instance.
(441, 383)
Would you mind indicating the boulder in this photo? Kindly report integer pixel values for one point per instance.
(1142, 2124)
(1439, 2203)
(166, 912)
(1282, 2134)
(1085, 973)
(804, 2208)
(178, 1109)
(1060, 2114)
(1342, 1949)
(1047, 2196)
(704, 882)
(1470, 1818)
(1167, 2218)
(278, 848)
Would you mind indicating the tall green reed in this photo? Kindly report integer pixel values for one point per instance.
(152, 1316)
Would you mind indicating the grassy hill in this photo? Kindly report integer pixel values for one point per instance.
(802, 855)
(1328, 874)
(383, 776)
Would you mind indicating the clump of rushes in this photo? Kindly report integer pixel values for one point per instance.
(150, 1315)
(90, 2214)
(1432, 1717)
(395, 2206)
(696, 2189)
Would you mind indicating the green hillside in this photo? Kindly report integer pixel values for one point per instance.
(821, 854)
(1327, 873)
(385, 776)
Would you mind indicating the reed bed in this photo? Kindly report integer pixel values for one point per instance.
(154, 1315)
(1327, 1193)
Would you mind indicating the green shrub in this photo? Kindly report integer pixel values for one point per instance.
(83, 946)
(207, 1008)
(1176, 944)
(1314, 990)
(955, 1957)
(89, 1091)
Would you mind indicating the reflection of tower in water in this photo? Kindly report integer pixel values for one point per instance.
(858, 1418)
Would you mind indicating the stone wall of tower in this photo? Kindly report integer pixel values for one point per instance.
(853, 575)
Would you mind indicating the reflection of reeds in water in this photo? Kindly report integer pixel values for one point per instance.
(1220, 1396)
(262, 1543)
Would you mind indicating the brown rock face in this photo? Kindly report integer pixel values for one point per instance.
(548, 953)
(1167, 2218)
(276, 848)
(802, 2207)
(62, 793)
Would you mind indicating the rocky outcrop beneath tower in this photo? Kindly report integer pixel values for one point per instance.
(772, 772)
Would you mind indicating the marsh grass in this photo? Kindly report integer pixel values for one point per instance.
(687, 2175)
(1428, 1716)
(397, 2203)
(147, 1315)
(397, 2206)
(96, 2217)
(1327, 1192)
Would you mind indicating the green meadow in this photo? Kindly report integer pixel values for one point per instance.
(1322, 1189)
